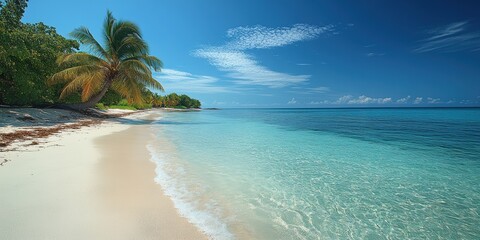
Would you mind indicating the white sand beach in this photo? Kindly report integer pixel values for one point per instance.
(95, 182)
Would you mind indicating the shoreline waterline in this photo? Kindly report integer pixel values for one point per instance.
(291, 173)
(92, 183)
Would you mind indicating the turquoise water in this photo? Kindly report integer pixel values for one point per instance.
(323, 173)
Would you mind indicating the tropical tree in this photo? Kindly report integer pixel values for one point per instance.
(172, 100)
(122, 64)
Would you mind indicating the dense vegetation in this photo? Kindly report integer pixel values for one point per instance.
(172, 101)
(27, 57)
(116, 74)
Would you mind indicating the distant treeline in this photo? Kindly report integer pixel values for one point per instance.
(173, 100)
(152, 100)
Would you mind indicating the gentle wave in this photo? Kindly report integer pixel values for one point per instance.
(184, 200)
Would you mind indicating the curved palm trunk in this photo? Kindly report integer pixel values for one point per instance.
(92, 101)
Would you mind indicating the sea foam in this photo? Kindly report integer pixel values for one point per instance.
(184, 200)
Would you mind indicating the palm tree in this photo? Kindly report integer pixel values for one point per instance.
(123, 64)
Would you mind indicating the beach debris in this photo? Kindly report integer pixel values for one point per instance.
(6, 139)
(26, 117)
(4, 161)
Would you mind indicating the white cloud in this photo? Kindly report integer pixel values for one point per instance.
(404, 100)
(243, 67)
(303, 64)
(344, 99)
(318, 89)
(293, 101)
(372, 54)
(174, 80)
(348, 99)
(433, 100)
(310, 90)
(367, 100)
(319, 102)
(453, 37)
(418, 100)
(245, 70)
(263, 37)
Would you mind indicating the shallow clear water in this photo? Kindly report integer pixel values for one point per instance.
(323, 173)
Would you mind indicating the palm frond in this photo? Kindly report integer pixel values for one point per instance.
(89, 83)
(80, 58)
(131, 46)
(150, 82)
(108, 33)
(83, 35)
(137, 70)
(150, 61)
(69, 74)
(128, 88)
(93, 85)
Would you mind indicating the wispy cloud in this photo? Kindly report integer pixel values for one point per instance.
(453, 37)
(404, 100)
(433, 100)
(293, 101)
(303, 64)
(418, 100)
(262, 37)
(244, 68)
(372, 54)
(348, 99)
(365, 100)
(319, 102)
(310, 90)
(318, 89)
(174, 80)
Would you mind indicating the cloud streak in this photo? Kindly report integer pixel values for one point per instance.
(404, 100)
(261, 37)
(365, 100)
(348, 99)
(175, 80)
(243, 68)
(293, 101)
(453, 37)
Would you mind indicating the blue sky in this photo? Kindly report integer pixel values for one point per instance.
(333, 53)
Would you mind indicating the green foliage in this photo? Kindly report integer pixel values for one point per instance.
(188, 102)
(123, 102)
(12, 12)
(27, 57)
(127, 107)
(111, 98)
(101, 106)
(172, 100)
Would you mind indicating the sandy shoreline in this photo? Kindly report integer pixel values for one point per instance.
(92, 183)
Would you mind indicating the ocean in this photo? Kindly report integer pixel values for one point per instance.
(323, 173)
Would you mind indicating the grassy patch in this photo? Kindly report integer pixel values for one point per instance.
(122, 107)
(101, 106)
